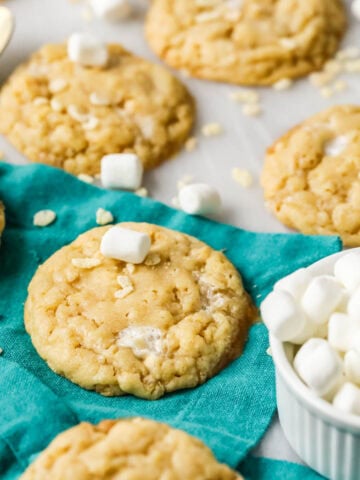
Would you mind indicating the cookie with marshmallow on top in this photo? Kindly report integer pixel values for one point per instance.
(138, 309)
(73, 103)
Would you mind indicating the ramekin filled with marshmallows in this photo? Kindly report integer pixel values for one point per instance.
(313, 316)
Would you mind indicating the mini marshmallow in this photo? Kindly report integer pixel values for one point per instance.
(308, 331)
(353, 307)
(347, 270)
(352, 366)
(125, 244)
(282, 316)
(343, 305)
(335, 147)
(295, 283)
(142, 340)
(321, 298)
(348, 399)
(121, 170)
(87, 50)
(318, 365)
(199, 199)
(111, 10)
(343, 331)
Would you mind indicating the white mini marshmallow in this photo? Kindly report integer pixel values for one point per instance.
(318, 365)
(334, 147)
(355, 8)
(348, 399)
(142, 340)
(125, 244)
(343, 305)
(321, 298)
(353, 306)
(282, 316)
(308, 331)
(295, 283)
(347, 270)
(352, 366)
(121, 170)
(111, 10)
(199, 199)
(87, 50)
(343, 331)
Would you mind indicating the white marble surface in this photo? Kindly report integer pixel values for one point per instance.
(242, 144)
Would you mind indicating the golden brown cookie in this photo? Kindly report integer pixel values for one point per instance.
(311, 175)
(248, 42)
(65, 115)
(135, 449)
(169, 323)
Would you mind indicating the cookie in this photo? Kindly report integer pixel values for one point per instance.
(181, 316)
(248, 42)
(68, 116)
(311, 175)
(123, 449)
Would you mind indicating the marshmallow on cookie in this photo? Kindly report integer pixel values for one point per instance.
(87, 50)
(125, 244)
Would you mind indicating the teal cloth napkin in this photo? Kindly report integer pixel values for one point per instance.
(266, 469)
(230, 413)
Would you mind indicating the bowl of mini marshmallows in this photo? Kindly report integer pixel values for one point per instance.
(313, 316)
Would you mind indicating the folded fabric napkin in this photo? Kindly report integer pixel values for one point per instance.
(265, 469)
(230, 413)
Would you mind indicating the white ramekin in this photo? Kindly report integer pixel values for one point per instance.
(324, 438)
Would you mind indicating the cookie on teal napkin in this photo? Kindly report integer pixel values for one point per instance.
(230, 413)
